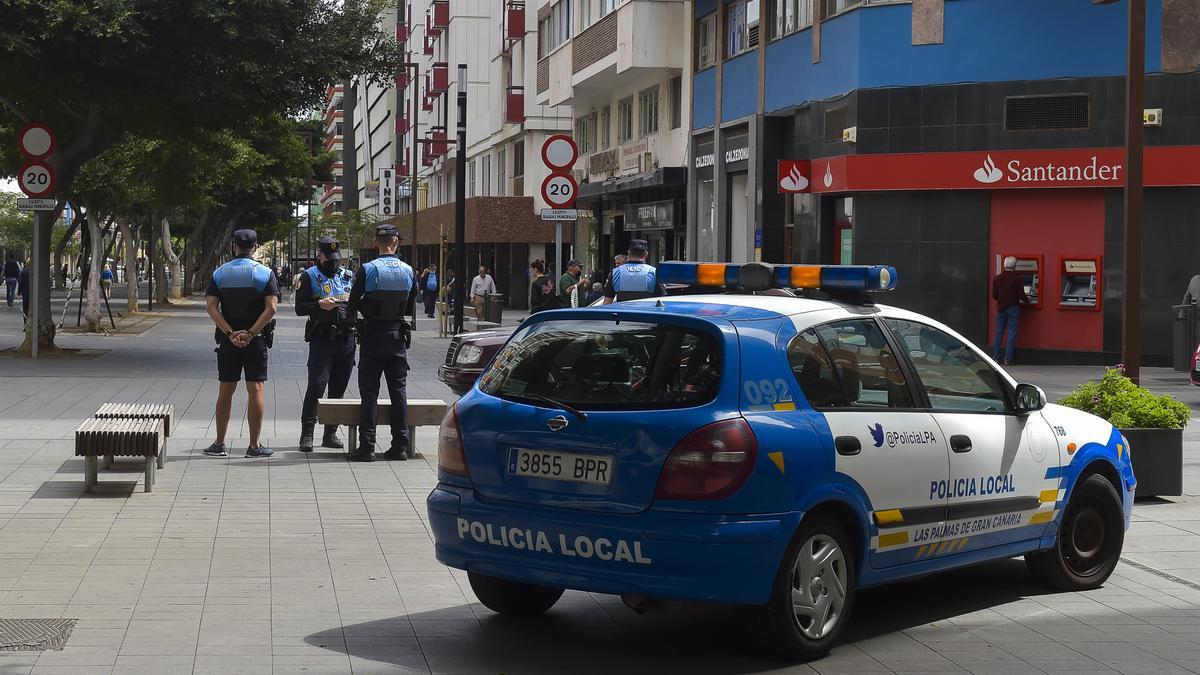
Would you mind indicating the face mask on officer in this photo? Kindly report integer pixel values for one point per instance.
(327, 266)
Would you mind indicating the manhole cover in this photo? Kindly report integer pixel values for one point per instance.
(34, 635)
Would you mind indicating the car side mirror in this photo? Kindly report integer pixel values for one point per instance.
(1029, 398)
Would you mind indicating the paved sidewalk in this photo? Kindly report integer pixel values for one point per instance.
(310, 563)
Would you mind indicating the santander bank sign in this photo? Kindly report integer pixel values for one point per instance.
(1017, 172)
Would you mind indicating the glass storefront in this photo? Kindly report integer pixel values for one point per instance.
(706, 221)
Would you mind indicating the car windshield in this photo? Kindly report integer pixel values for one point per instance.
(605, 365)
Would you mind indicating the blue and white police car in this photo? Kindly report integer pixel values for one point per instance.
(774, 451)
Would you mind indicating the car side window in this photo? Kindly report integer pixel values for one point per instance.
(955, 376)
(813, 371)
(867, 371)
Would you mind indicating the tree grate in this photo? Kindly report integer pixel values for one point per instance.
(34, 635)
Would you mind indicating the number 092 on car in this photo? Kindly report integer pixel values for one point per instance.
(565, 466)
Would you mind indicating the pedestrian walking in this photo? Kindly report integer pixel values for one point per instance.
(429, 289)
(242, 298)
(542, 294)
(106, 280)
(384, 293)
(634, 278)
(570, 283)
(481, 286)
(330, 336)
(447, 292)
(1008, 290)
(23, 290)
(12, 276)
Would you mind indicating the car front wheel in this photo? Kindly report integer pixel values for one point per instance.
(813, 592)
(1090, 535)
(514, 598)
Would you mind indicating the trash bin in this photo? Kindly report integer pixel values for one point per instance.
(1184, 335)
(493, 309)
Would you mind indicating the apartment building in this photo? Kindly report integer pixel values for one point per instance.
(330, 197)
(620, 66)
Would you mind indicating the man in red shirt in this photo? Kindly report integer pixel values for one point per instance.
(1008, 290)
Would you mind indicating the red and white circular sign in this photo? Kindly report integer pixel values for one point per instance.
(559, 152)
(36, 179)
(559, 190)
(36, 141)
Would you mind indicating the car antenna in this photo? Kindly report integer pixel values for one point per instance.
(658, 303)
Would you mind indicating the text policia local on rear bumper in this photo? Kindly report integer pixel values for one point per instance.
(601, 548)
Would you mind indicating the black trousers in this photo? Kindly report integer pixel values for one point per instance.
(383, 354)
(330, 362)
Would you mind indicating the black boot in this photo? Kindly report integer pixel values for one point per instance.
(306, 437)
(331, 440)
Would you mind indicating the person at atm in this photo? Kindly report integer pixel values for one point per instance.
(1008, 290)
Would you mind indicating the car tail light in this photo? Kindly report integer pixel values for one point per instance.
(451, 457)
(712, 462)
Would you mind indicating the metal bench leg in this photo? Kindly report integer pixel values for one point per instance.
(412, 442)
(150, 464)
(108, 460)
(90, 472)
(352, 438)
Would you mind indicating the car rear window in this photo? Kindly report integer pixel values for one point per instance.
(605, 365)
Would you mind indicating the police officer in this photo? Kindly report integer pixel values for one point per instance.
(635, 278)
(242, 298)
(322, 297)
(384, 293)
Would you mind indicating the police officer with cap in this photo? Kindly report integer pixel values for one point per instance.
(635, 278)
(322, 296)
(242, 298)
(384, 292)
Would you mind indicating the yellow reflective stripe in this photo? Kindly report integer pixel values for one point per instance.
(942, 548)
(921, 551)
(893, 539)
(785, 406)
(1041, 517)
(888, 517)
(962, 543)
(1048, 496)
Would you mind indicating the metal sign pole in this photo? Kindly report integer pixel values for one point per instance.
(460, 207)
(35, 286)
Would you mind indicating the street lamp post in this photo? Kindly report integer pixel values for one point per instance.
(460, 203)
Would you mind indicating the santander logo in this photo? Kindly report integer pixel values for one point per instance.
(989, 172)
(828, 179)
(794, 181)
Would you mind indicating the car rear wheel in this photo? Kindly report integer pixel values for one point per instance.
(514, 598)
(1090, 535)
(813, 592)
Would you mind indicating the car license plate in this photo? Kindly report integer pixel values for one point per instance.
(565, 466)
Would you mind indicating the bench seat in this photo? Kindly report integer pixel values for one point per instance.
(346, 411)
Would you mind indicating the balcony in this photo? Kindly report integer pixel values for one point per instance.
(402, 125)
(438, 147)
(439, 16)
(402, 79)
(514, 105)
(402, 169)
(427, 47)
(441, 77)
(428, 96)
(641, 36)
(512, 23)
(402, 32)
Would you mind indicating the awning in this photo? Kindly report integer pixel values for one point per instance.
(663, 176)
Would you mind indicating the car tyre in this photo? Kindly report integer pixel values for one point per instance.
(1091, 532)
(513, 598)
(813, 592)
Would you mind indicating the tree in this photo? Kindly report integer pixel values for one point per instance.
(100, 70)
(16, 227)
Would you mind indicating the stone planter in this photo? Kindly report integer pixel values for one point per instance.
(1157, 456)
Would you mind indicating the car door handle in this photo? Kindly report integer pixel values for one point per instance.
(960, 443)
(847, 445)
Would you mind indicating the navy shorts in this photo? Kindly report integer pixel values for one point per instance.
(232, 361)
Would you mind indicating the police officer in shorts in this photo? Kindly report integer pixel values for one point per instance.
(322, 296)
(242, 298)
(384, 293)
(635, 278)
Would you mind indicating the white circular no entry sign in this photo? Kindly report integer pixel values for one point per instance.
(36, 179)
(36, 141)
(559, 152)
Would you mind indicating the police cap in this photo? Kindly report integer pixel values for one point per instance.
(638, 245)
(245, 238)
(329, 247)
(386, 230)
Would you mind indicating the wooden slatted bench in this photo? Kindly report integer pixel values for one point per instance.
(162, 411)
(129, 437)
(421, 413)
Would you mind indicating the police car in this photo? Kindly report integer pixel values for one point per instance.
(763, 450)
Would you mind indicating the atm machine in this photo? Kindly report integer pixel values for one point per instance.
(1029, 269)
(1080, 283)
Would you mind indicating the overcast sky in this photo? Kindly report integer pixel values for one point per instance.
(8, 185)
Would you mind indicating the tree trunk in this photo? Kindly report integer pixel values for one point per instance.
(172, 259)
(155, 253)
(59, 249)
(91, 309)
(131, 246)
(213, 247)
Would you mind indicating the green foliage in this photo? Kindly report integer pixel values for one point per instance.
(16, 227)
(350, 226)
(1126, 405)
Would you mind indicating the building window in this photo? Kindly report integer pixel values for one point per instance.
(706, 42)
(625, 120)
(555, 29)
(788, 16)
(835, 6)
(585, 14)
(487, 175)
(676, 102)
(585, 133)
(337, 129)
(741, 27)
(518, 159)
(338, 104)
(605, 127)
(501, 177)
(471, 178)
(648, 105)
(607, 7)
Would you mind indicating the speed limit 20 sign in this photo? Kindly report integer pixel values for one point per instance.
(36, 179)
(559, 190)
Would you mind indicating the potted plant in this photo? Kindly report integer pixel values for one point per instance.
(1152, 424)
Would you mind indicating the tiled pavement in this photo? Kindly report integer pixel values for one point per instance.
(309, 563)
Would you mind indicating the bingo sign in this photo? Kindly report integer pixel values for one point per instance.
(559, 189)
(36, 142)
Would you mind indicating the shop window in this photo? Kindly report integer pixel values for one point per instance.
(806, 233)
(648, 107)
(706, 42)
(605, 127)
(788, 16)
(625, 120)
(741, 27)
(676, 102)
(706, 215)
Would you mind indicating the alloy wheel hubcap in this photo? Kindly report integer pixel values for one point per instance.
(818, 584)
